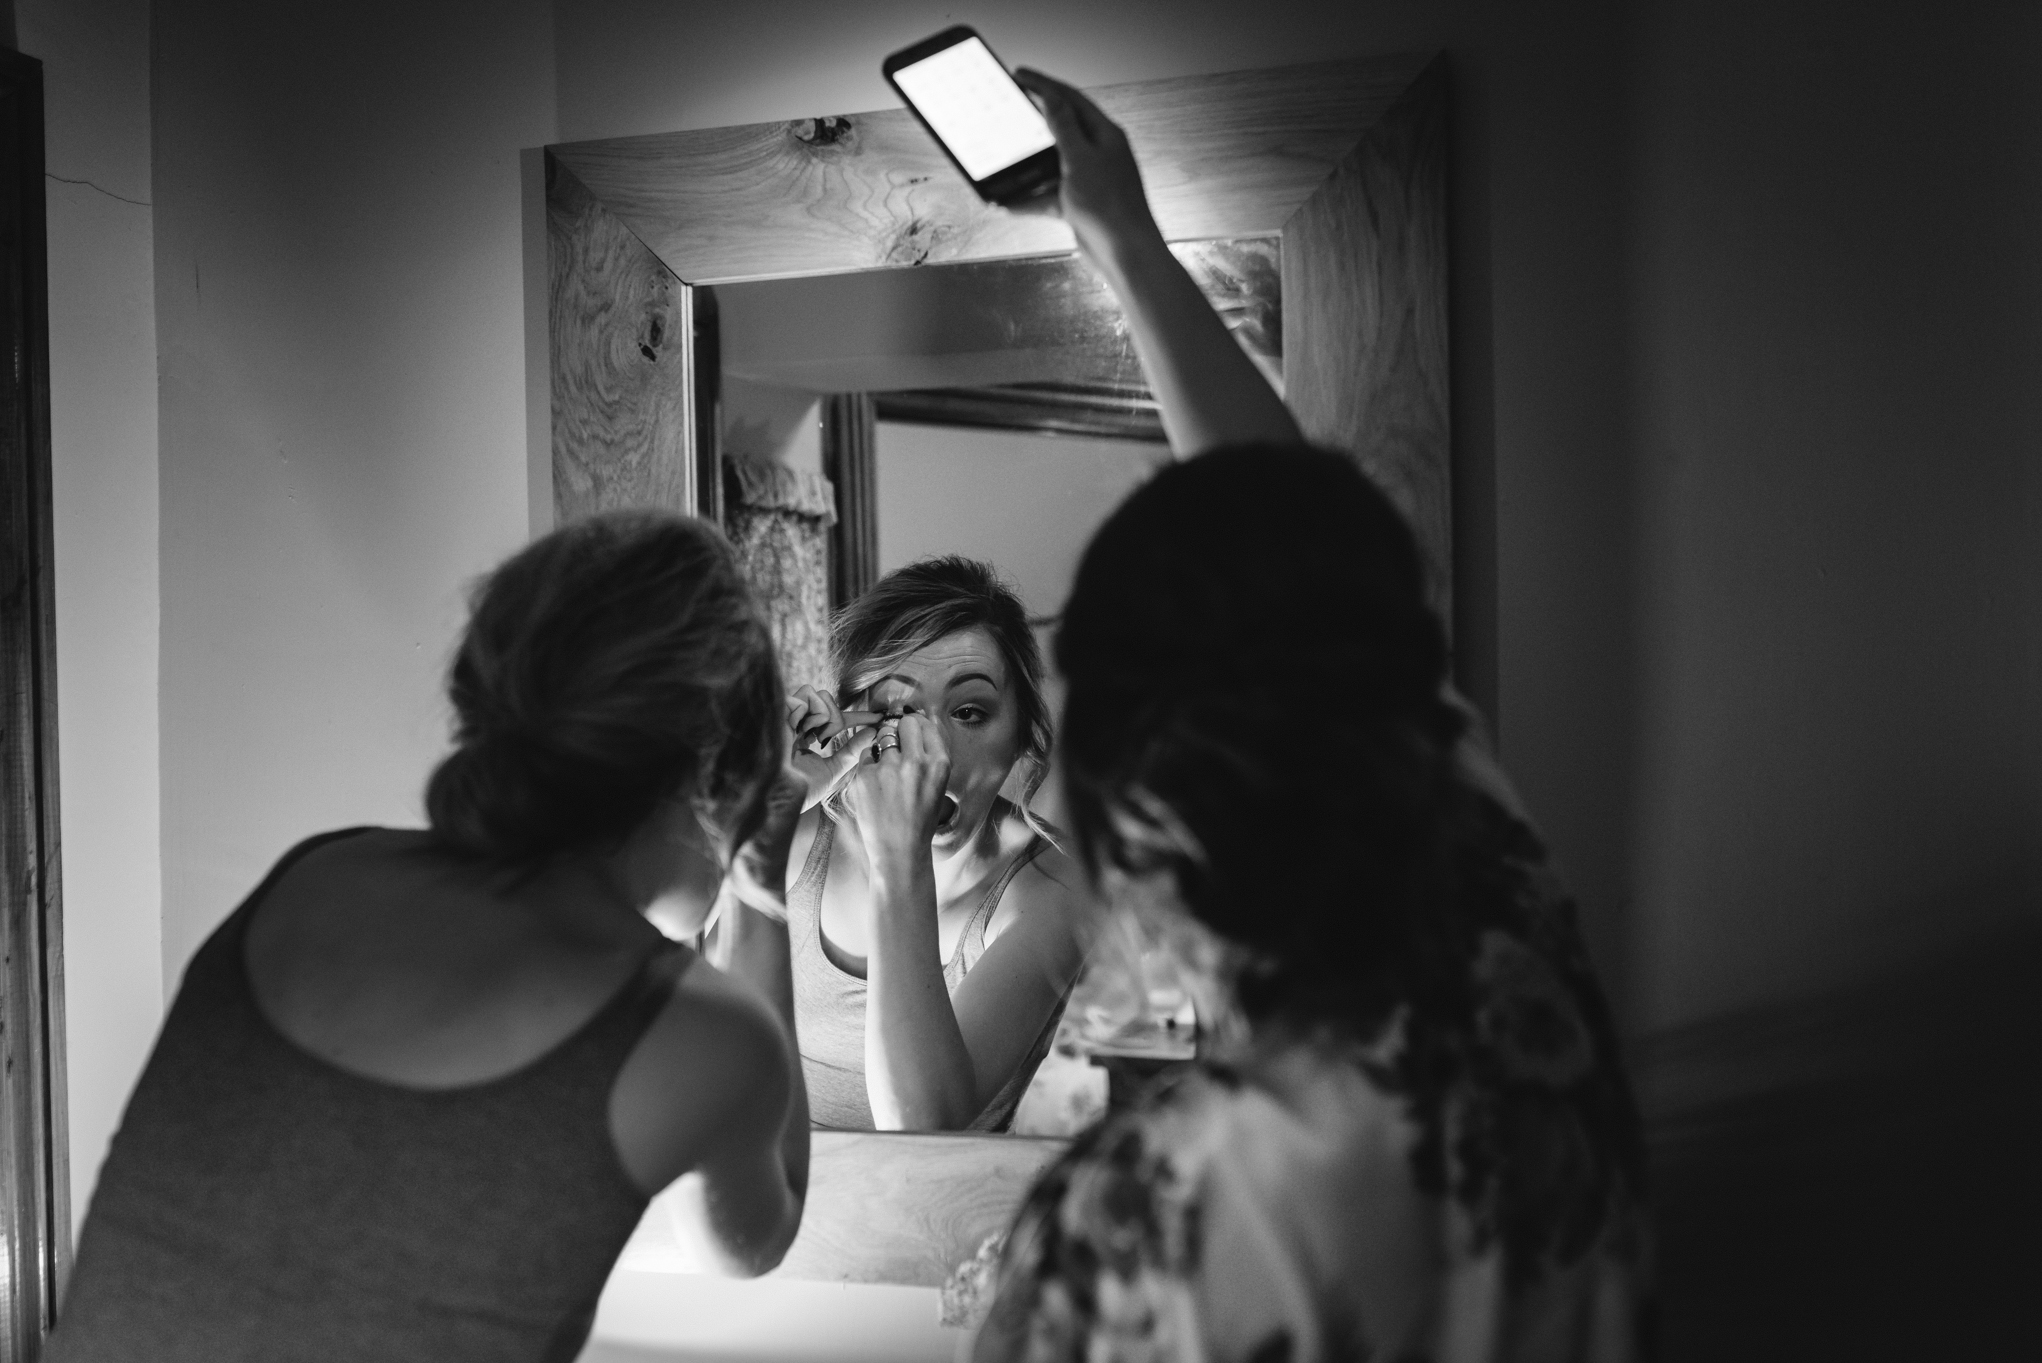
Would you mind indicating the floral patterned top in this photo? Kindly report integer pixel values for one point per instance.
(1468, 1185)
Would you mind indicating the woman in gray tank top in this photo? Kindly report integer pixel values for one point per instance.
(415, 1093)
(932, 931)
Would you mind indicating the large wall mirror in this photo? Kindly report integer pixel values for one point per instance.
(814, 333)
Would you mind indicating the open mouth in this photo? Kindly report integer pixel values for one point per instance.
(946, 815)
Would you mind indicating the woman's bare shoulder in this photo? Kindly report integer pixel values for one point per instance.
(713, 1064)
(1050, 891)
(710, 1012)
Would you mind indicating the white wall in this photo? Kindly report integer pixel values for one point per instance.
(1026, 503)
(769, 424)
(644, 66)
(341, 317)
(95, 56)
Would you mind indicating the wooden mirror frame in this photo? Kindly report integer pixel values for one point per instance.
(1345, 160)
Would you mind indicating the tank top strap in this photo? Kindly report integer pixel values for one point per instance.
(235, 926)
(615, 1028)
(971, 943)
(804, 896)
(590, 1054)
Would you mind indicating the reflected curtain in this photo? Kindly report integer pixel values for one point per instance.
(779, 520)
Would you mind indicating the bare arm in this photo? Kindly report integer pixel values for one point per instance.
(933, 1060)
(753, 947)
(995, 1015)
(751, 944)
(710, 1090)
(749, 1199)
(1032, 958)
(919, 1073)
(1210, 392)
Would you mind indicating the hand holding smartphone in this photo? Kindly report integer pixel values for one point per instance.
(983, 121)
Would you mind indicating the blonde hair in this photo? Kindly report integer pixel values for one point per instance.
(911, 608)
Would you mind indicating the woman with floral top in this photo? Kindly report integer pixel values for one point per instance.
(1412, 1138)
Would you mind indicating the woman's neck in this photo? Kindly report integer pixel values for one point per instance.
(590, 897)
(974, 859)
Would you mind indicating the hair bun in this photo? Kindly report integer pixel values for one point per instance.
(608, 666)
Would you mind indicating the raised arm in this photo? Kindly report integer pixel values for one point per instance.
(919, 1071)
(752, 947)
(933, 1059)
(1210, 392)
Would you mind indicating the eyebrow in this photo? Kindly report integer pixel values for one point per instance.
(958, 681)
(955, 682)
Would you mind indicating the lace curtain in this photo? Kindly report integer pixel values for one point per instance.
(779, 520)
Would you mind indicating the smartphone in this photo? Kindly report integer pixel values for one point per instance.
(977, 114)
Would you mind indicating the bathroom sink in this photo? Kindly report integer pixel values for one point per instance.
(653, 1316)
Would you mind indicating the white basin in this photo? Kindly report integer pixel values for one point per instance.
(889, 1216)
(658, 1317)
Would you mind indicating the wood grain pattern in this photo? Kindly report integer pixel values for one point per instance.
(883, 1207)
(1365, 313)
(621, 340)
(1050, 319)
(35, 1218)
(1222, 156)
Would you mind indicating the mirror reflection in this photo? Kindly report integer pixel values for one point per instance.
(913, 462)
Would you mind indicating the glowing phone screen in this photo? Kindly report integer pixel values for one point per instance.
(985, 119)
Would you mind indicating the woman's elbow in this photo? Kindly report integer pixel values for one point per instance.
(755, 1256)
(947, 1113)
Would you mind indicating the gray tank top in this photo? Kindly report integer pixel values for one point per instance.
(829, 1002)
(261, 1205)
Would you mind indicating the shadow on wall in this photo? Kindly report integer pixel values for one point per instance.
(1856, 1177)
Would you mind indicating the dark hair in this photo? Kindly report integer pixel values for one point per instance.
(1256, 705)
(912, 607)
(611, 665)
(1254, 676)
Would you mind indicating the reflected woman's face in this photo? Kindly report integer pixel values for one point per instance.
(961, 682)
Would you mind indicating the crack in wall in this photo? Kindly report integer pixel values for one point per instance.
(139, 203)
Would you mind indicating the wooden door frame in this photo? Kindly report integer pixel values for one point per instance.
(35, 1216)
